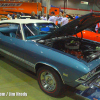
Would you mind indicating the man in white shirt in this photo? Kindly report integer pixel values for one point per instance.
(9, 16)
(64, 21)
(59, 18)
(52, 18)
(44, 17)
(97, 27)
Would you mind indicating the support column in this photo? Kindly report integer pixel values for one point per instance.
(48, 6)
(67, 6)
(64, 5)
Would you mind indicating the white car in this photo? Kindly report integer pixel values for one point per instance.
(25, 17)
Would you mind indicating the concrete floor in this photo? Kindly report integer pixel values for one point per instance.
(14, 78)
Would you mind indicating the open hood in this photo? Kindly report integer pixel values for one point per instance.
(75, 26)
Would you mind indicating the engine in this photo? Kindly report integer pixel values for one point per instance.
(73, 48)
(82, 49)
(78, 54)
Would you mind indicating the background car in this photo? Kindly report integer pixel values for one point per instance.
(25, 17)
(3, 17)
(89, 34)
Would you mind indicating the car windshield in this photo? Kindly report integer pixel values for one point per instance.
(38, 30)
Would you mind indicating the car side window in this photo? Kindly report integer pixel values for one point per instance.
(4, 27)
(29, 30)
(9, 29)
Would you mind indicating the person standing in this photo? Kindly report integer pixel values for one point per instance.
(52, 18)
(44, 17)
(48, 16)
(13, 16)
(97, 27)
(33, 15)
(22, 14)
(18, 15)
(9, 16)
(59, 18)
(39, 15)
(76, 16)
(64, 20)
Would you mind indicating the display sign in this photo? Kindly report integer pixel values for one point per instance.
(10, 4)
(25, 7)
(84, 2)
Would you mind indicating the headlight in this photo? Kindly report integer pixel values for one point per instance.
(86, 77)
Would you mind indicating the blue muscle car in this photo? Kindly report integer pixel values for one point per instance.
(53, 53)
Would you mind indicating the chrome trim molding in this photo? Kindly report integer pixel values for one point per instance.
(23, 35)
(29, 63)
(16, 57)
(95, 83)
(87, 78)
(82, 87)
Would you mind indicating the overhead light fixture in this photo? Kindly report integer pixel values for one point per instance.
(84, 2)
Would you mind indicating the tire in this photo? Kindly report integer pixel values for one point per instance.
(49, 81)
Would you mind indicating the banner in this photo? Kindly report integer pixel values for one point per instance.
(25, 7)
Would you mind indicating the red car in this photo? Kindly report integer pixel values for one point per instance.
(89, 34)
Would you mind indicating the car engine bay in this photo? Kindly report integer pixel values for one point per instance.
(81, 48)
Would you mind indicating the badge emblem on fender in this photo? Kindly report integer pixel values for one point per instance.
(65, 74)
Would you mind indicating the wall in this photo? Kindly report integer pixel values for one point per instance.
(75, 6)
(18, 0)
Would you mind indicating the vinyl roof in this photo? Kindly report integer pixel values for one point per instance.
(23, 21)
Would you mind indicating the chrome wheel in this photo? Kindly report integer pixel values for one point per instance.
(48, 81)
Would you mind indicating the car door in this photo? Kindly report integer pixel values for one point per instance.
(11, 46)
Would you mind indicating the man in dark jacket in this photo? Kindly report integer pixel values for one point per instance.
(18, 15)
(13, 16)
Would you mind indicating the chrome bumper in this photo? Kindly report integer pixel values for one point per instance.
(90, 84)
